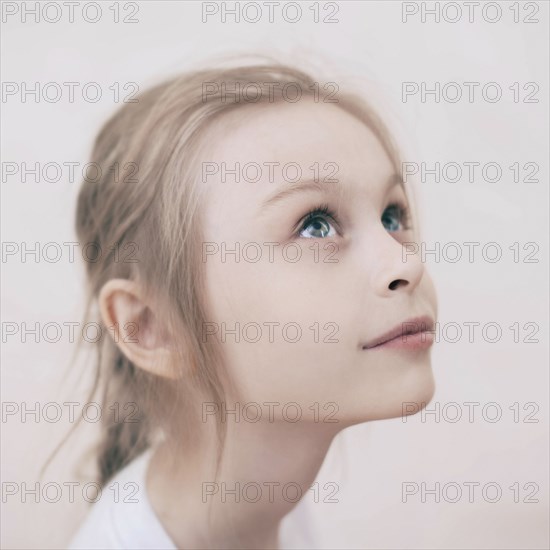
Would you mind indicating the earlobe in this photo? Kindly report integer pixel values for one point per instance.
(134, 327)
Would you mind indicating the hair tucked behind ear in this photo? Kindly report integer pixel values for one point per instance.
(143, 214)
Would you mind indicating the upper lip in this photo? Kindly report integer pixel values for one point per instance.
(409, 326)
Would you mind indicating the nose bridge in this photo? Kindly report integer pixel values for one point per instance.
(392, 267)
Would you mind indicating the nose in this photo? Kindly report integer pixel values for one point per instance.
(392, 270)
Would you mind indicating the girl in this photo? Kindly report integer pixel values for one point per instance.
(257, 297)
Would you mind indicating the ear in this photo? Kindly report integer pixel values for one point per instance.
(136, 328)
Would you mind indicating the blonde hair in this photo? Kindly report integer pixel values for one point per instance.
(156, 212)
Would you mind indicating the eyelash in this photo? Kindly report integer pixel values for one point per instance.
(319, 211)
(324, 210)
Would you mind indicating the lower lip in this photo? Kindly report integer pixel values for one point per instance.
(411, 342)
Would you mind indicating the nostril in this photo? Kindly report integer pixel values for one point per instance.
(397, 283)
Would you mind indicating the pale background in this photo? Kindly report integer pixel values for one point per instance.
(371, 44)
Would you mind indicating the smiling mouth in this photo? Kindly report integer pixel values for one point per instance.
(413, 334)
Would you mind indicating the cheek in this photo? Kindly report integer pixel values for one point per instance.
(283, 286)
(284, 327)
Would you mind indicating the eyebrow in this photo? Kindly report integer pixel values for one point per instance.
(312, 185)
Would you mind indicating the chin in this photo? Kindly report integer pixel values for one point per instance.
(399, 391)
(416, 393)
(409, 394)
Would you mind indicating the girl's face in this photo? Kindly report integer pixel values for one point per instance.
(303, 276)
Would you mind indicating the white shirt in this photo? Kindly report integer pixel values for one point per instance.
(123, 517)
(113, 523)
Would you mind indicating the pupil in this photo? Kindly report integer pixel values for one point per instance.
(320, 226)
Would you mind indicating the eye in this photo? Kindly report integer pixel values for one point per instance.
(318, 224)
(395, 218)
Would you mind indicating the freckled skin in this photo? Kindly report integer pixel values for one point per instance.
(350, 297)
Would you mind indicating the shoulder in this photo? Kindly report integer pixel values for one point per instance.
(123, 517)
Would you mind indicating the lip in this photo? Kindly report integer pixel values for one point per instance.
(415, 333)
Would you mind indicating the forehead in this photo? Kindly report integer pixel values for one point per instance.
(304, 129)
(278, 136)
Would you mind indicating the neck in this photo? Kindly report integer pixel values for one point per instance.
(264, 470)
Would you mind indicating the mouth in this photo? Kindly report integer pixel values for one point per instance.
(413, 334)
